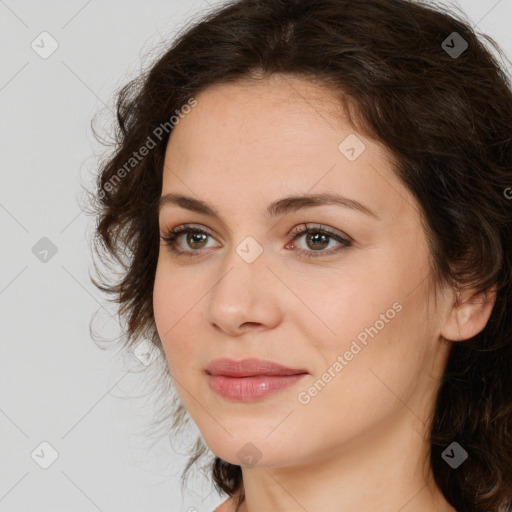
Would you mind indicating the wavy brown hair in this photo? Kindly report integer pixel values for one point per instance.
(447, 120)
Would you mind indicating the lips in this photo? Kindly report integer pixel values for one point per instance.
(250, 368)
(250, 379)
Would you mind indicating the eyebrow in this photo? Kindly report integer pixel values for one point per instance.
(276, 208)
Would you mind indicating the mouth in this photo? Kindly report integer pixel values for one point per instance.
(250, 379)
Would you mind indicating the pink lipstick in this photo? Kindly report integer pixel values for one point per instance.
(250, 379)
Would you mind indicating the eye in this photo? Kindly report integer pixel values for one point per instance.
(317, 237)
(195, 238)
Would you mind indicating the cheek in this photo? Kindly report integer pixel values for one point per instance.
(173, 311)
(376, 359)
(335, 307)
(373, 317)
(358, 386)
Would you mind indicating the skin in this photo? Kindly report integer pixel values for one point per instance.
(360, 443)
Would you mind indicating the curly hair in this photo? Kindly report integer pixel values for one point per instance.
(414, 77)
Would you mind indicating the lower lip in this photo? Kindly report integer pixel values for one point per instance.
(247, 389)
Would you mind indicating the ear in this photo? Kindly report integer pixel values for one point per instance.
(469, 314)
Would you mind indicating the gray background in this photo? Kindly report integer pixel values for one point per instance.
(56, 385)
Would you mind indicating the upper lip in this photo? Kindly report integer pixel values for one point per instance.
(249, 368)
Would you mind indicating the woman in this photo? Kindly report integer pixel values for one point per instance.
(315, 199)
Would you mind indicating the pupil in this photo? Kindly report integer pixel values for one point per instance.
(191, 240)
(315, 242)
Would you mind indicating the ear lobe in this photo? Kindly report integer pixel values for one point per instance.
(469, 315)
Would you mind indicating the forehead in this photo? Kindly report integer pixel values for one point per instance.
(272, 110)
(282, 135)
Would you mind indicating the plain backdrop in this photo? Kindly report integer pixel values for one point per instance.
(70, 421)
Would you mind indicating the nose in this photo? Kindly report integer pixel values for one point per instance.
(247, 296)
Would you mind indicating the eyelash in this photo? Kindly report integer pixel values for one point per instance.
(170, 238)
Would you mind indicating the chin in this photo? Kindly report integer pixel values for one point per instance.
(257, 450)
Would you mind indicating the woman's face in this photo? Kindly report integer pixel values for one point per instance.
(352, 319)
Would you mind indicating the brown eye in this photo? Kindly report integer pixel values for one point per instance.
(317, 239)
(195, 239)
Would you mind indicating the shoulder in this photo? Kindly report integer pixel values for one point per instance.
(226, 506)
